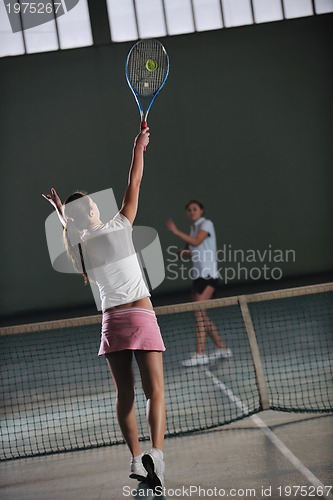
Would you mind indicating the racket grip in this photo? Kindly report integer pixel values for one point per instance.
(143, 126)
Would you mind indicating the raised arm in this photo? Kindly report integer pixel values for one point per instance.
(190, 240)
(55, 201)
(129, 206)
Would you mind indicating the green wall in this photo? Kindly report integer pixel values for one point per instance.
(244, 124)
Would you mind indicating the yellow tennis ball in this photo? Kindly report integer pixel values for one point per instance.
(151, 65)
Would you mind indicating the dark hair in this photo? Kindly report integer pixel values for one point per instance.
(76, 221)
(197, 202)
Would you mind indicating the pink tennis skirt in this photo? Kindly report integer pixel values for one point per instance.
(133, 328)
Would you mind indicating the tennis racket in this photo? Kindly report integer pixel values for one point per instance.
(147, 68)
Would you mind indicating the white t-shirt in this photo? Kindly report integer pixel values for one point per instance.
(112, 263)
(204, 255)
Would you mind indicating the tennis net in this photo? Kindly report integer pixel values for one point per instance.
(58, 395)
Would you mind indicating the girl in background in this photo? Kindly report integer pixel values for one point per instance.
(201, 246)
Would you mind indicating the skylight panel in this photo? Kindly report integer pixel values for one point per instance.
(11, 44)
(122, 20)
(74, 27)
(323, 6)
(151, 20)
(207, 14)
(300, 8)
(179, 16)
(237, 12)
(267, 10)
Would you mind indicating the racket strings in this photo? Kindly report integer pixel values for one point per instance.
(147, 67)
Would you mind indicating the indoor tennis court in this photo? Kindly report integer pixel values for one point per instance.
(53, 404)
(242, 123)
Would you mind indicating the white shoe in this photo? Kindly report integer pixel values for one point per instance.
(137, 470)
(196, 359)
(220, 353)
(154, 466)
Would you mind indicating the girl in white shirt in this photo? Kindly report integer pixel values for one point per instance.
(129, 325)
(201, 246)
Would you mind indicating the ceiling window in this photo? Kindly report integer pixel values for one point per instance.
(43, 26)
(49, 25)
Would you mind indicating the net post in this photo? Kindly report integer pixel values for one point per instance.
(263, 393)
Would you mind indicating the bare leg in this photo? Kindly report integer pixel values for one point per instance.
(200, 331)
(151, 369)
(120, 364)
(212, 331)
(205, 325)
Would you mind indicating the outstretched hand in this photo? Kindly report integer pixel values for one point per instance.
(54, 199)
(172, 226)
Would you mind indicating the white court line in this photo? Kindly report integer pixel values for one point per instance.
(270, 435)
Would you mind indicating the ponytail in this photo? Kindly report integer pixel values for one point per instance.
(74, 251)
(75, 215)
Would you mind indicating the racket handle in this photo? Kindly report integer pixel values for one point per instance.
(143, 126)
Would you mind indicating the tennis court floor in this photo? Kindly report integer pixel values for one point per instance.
(234, 461)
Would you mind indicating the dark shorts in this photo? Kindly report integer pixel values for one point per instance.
(200, 284)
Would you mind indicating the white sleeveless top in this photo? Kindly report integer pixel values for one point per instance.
(112, 263)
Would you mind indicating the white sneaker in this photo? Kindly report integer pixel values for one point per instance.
(154, 466)
(137, 470)
(220, 353)
(196, 359)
